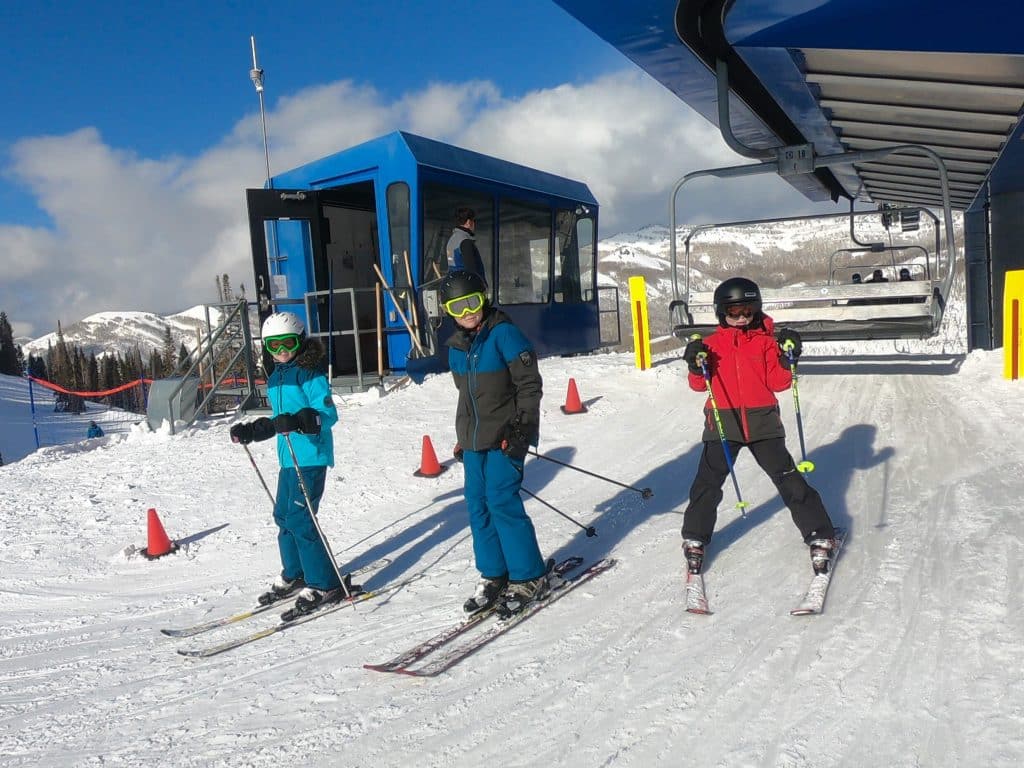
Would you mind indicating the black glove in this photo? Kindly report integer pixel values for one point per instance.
(515, 441)
(786, 336)
(309, 421)
(305, 421)
(693, 349)
(260, 429)
(457, 453)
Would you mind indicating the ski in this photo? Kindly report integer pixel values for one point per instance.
(696, 597)
(224, 621)
(814, 601)
(362, 597)
(421, 650)
(458, 653)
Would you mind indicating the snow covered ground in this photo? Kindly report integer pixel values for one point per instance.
(21, 429)
(916, 661)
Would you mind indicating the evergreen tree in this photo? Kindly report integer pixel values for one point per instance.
(78, 368)
(110, 379)
(156, 365)
(8, 350)
(60, 366)
(51, 361)
(108, 372)
(92, 376)
(167, 361)
(36, 367)
(183, 355)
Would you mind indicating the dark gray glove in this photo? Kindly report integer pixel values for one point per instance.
(694, 349)
(252, 431)
(305, 421)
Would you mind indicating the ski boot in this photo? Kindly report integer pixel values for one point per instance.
(311, 599)
(487, 592)
(693, 550)
(280, 589)
(519, 594)
(821, 554)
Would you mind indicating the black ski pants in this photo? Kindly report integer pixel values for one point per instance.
(706, 492)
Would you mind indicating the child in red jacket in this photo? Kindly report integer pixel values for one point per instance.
(742, 359)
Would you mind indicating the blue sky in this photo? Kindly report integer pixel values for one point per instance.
(131, 133)
(168, 78)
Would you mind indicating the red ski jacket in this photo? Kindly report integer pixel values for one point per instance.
(745, 375)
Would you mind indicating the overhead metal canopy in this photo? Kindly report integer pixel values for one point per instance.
(962, 106)
(845, 75)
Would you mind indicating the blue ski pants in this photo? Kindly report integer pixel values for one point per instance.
(504, 541)
(302, 551)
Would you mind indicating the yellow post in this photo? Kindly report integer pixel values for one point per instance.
(1013, 324)
(641, 329)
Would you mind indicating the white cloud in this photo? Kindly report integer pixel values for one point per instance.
(132, 232)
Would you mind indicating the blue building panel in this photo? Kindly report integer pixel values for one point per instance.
(341, 200)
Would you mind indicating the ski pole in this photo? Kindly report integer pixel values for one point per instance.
(702, 360)
(644, 492)
(804, 466)
(588, 528)
(312, 514)
(259, 474)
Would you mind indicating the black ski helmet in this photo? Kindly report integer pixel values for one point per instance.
(461, 283)
(737, 290)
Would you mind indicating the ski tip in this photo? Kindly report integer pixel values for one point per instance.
(700, 611)
(394, 670)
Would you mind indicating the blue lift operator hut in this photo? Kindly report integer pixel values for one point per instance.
(321, 232)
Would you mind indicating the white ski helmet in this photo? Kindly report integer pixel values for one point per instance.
(283, 324)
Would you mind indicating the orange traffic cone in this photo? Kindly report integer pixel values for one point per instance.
(158, 544)
(572, 400)
(429, 465)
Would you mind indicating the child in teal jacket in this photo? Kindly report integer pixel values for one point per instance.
(303, 414)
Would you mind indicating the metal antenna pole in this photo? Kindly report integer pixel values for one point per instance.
(256, 75)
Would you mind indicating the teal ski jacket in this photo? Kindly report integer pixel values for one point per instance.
(299, 384)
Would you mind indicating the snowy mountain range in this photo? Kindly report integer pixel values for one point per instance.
(123, 331)
(775, 254)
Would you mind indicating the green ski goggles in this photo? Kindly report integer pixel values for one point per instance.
(289, 342)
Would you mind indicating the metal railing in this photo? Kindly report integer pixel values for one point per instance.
(312, 298)
(226, 348)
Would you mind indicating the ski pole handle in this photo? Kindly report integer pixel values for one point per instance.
(702, 357)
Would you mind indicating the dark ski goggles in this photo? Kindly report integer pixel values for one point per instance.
(277, 344)
(465, 305)
(740, 310)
